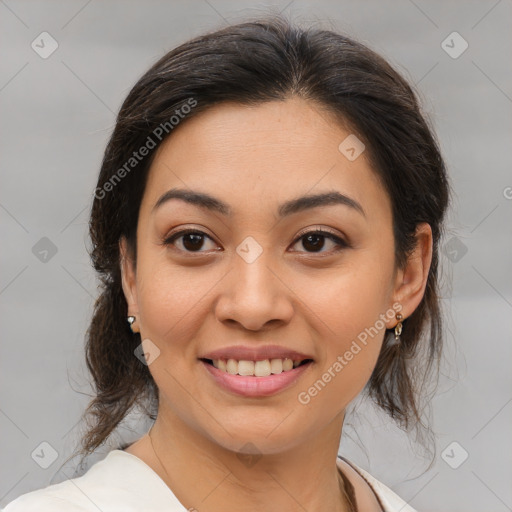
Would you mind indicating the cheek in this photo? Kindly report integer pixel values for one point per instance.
(350, 310)
(349, 299)
(351, 335)
(171, 302)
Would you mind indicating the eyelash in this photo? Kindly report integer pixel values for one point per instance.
(322, 232)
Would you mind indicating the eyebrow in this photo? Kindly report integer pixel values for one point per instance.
(290, 207)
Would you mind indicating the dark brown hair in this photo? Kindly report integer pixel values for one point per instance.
(267, 59)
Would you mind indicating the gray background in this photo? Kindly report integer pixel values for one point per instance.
(57, 114)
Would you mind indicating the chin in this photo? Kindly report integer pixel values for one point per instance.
(264, 440)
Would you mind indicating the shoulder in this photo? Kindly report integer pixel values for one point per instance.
(389, 500)
(54, 498)
(118, 482)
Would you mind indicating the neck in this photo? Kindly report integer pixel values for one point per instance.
(204, 475)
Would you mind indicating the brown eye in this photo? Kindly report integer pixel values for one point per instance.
(314, 241)
(192, 240)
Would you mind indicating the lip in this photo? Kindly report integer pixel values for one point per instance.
(243, 352)
(250, 386)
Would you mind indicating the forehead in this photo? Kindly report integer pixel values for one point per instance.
(272, 151)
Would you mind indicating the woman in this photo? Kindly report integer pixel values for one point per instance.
(266, 227)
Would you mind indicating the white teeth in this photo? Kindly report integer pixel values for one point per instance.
(232, 367)
(245, 367)
(255, 368)
(262, 368)
(276, 366)
(287, 365)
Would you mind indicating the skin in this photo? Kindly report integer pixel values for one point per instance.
(188, 303)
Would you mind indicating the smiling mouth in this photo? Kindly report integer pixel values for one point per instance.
(262, 368)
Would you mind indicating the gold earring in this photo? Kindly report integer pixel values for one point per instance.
(398, 327)
(131, 319)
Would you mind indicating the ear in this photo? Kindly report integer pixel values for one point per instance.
(411, 281)
(128, 277)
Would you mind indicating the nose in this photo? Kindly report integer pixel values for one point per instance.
(254, 295)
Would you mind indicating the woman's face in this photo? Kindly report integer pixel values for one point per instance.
(253, 277)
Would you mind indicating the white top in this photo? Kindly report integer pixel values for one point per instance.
(122, 482)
